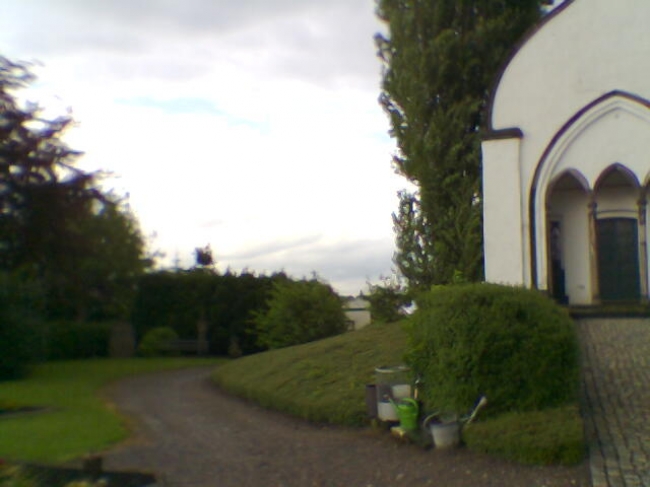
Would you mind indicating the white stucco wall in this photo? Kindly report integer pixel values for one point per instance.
(555, 91)
(617, 202)
(619, 135)
(502, 225)
(357, 310)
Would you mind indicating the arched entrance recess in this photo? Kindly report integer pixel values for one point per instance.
(587, 211)
(618, 203)
(567, 239)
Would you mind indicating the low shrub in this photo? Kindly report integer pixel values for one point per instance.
(157, 342)
(513, 345)
(15, 476)
(300, 312)
(69, 340)
(549, 437)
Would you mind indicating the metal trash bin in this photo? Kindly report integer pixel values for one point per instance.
(393, 383)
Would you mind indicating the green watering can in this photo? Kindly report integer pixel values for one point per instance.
(407, 412)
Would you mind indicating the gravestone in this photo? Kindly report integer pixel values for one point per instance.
(122, 340)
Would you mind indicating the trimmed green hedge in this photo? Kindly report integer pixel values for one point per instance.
(550, 437)
(20, 325)
(513, 345)
(225, 301)
(68, 340)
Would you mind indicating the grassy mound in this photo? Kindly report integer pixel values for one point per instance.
(324, 381)
(321, 381)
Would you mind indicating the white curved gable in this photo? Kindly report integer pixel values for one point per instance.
(585, 49)
(614, 130)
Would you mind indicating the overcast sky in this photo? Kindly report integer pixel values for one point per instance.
(249, 125)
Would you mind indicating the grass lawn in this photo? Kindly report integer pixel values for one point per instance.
(78, 421)
(322, 381)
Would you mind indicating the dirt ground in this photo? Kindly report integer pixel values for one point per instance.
(189, 433)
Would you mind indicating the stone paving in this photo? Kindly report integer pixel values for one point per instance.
(616, 399)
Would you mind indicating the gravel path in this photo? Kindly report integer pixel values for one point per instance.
(190, 434)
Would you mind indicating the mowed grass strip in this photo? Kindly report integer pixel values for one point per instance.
(77, 419)
(324, 381)
(321, 381)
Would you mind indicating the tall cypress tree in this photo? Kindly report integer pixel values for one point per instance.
(440, 59)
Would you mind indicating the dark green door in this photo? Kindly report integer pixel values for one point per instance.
(618, 259)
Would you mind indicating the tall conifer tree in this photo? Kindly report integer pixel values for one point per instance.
(56, 225)
(440, 59)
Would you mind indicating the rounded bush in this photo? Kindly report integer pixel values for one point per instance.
(386, 303)
(157, 342)
(300, 312)
(513, 345)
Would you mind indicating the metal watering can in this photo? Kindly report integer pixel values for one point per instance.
(407, 412)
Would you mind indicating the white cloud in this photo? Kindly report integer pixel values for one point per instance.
(252, 125)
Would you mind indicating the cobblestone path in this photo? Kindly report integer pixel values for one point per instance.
(616, 372)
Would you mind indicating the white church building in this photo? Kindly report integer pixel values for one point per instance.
(566, 156)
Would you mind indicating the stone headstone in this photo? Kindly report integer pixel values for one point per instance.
(122, 341)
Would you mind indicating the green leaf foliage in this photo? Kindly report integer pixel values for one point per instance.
(71, 340)
(84, 246)
(550, 437)
(387, 301)
(300, 312)
(440, 59)
(16, 476)
(183, 298)
(97, 281)
(20, 324)
(513, 345)
(157, 342)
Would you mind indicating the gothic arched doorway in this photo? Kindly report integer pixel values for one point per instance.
(567, 224)
(617, 235)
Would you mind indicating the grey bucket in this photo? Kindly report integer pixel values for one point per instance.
(445, 435)
(445, 429)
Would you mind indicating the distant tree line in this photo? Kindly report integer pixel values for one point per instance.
(68, 250)
(226, 302)
(73, 262)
